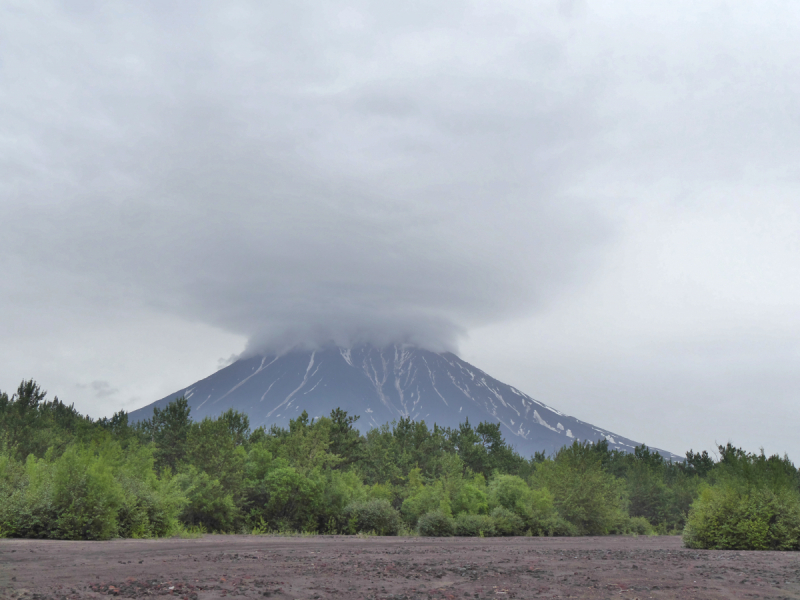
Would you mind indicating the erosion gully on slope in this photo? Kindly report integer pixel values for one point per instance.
(324, 567)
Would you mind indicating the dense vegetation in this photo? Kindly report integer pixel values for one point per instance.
(66, 476)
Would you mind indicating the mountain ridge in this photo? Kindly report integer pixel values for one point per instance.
(382, 385)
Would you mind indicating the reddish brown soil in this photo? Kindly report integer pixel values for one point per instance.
(392, 568)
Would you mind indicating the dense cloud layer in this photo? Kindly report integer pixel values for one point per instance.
(297, 174)
(597, 201)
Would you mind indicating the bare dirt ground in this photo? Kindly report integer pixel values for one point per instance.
(334, 567)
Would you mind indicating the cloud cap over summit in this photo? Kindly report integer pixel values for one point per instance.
(250, 168)
(595, 202)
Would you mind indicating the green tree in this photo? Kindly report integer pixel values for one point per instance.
(168, 429)
(585, 494)
(346, 441)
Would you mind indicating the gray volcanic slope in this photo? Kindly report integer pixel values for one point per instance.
(380, 386)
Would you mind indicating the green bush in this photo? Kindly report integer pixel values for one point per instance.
(474, 525)
(95, 492)
(150, 508)
(436, 524)
(729, 517)
(207, 502)
(294, 499)
(510, 492)
(85, 496)
(377, 516)
(585, 494)
(551, 526)
(26, 507)
(425, 499)
(470, 497)
(507, 522)
(535, 508)
(340, 490)
(636, 526)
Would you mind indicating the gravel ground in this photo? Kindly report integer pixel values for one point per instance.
(336, 567)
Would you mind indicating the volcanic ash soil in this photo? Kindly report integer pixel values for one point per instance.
(379, 568)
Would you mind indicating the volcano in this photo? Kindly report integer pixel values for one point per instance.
(381, 385)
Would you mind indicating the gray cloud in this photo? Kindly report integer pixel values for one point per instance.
(101, 389)
(293, 179)
(598, 202)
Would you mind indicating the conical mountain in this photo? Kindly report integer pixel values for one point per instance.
(381, 385)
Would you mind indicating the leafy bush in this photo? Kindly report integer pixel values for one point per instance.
(294, 499)
(377, 516)
(425, 499)
(636, 526)
(507, 522)
(728, 517)
(510, 492)
(86, 497)
(556, 526)
(26, 508)
(474, 525)
(340, 490)
(207, 502)
(469, 496)
(149, 508)
(436, 524)
(95, 491)
(585, 494)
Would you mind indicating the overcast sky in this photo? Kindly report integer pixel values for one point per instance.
(596, 202)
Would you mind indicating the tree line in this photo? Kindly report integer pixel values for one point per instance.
(64, 475)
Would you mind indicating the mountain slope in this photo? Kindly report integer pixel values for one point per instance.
(382, 385)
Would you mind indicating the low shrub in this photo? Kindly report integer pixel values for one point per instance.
(506, 522)
(425, 499)
(475, 526)
(150, 508)
(436, 524)
(727, 517)
(377, 516)
(207, 502)
(636, 526)
(553, 526)
(585, 494)
(85, 497)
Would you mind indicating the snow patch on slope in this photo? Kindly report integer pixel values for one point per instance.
(288, 399)
(542, 422)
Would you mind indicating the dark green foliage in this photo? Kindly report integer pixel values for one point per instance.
(436, 524)
(346, 441)
(63, 475)
(585, 493)
(637, 526)
(149, 508)
(168, 429)
(475, 525)
(726, 518)
(507, 522)
(756, 470)
(293, 499)
(373, 516)
(753, 504)
(207, 502)
(86, 494)
(483, 450)
(216, 447)
(699, 463)
(29, 424)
